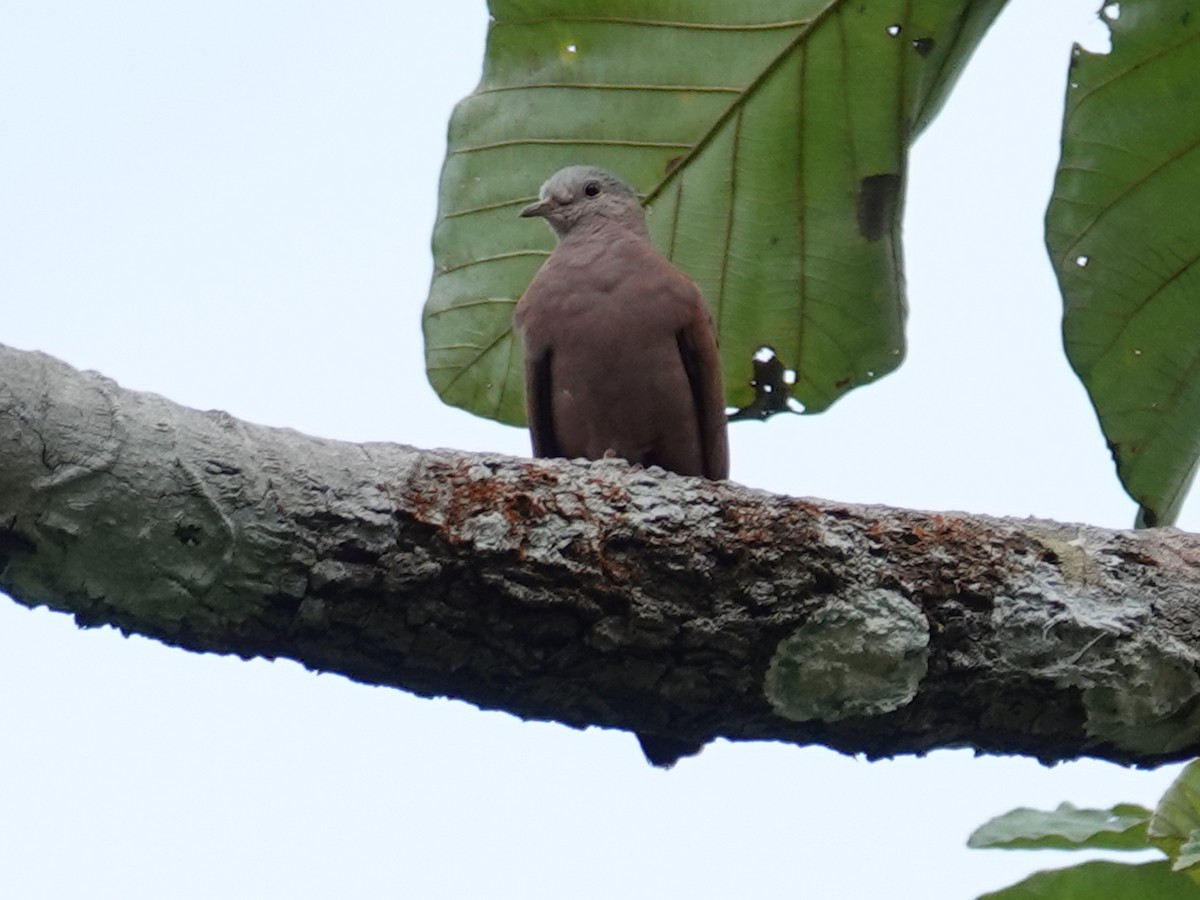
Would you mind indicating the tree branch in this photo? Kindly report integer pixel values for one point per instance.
(595, 594)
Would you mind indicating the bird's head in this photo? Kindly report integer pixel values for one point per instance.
(582, 198)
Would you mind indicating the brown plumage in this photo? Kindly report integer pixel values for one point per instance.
(620, 352)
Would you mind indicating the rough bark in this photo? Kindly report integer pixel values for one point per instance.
(595, 594)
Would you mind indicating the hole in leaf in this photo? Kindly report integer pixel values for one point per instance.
(894, 29)
(1097, 36)
(772, 384)
(1111, 11)
(572, 48)
(1082, 261)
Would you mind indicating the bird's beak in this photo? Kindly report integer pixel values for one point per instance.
(541, 208)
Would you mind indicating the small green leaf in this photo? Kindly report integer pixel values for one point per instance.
(1102, 881)
(1189, 855)
(1121, 828)
(1123, 231)
(1177, 816)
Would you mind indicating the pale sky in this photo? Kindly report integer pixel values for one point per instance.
(230, 204)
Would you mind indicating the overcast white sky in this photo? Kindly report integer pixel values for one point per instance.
(230, 204)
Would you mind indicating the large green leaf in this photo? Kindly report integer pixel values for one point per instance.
(1102, 881)
(769, 137)
(1067, 828)
(1123, 230)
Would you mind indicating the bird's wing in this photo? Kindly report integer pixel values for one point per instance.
(697, 342)
(529, 323)
(539, 409)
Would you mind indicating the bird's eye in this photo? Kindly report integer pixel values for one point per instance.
(591, 189)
